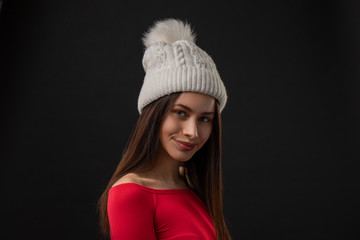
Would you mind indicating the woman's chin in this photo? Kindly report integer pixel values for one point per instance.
(181, 157)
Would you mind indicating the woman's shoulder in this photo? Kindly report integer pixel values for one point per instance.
(131, 182)
(128, 197)
(148, 182)
(129, 189)
(140, 179)
(129, 178)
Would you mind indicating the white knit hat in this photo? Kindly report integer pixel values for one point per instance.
(173, 63)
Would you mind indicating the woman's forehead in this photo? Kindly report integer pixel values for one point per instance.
(198, 102)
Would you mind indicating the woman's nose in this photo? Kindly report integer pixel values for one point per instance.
(191, 129)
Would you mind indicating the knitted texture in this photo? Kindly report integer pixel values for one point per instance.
(174, 63)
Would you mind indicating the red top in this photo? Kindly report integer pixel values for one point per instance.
(137, 212)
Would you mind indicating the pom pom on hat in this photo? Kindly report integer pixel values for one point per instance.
(168, 31)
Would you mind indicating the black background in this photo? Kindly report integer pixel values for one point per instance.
(71, 73)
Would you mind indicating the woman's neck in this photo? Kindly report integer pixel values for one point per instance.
(165, 173)
(167, 168)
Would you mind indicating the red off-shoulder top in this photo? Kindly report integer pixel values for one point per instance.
(137, 212)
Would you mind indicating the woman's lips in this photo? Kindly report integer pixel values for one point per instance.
(185, 146)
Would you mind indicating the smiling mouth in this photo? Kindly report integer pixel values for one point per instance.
(185, 146)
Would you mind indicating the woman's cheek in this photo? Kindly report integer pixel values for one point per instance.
(169, 124)
(173, 124)
(207, 133)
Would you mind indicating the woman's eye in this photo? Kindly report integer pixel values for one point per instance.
(180, 113)
(205, 119)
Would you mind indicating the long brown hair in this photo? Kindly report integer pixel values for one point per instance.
(202, 171)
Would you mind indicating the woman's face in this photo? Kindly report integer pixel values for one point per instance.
(188, 125)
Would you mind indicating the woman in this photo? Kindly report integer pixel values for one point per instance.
(168, 182)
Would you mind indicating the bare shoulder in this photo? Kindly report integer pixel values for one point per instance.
(148, 179)
(129, 178)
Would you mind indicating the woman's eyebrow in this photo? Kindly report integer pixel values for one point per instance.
(190, 110)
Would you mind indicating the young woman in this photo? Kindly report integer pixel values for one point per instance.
(168, 183)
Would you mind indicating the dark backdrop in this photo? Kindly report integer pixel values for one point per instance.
(70, 77)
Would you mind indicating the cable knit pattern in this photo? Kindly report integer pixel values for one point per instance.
(177, 66)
